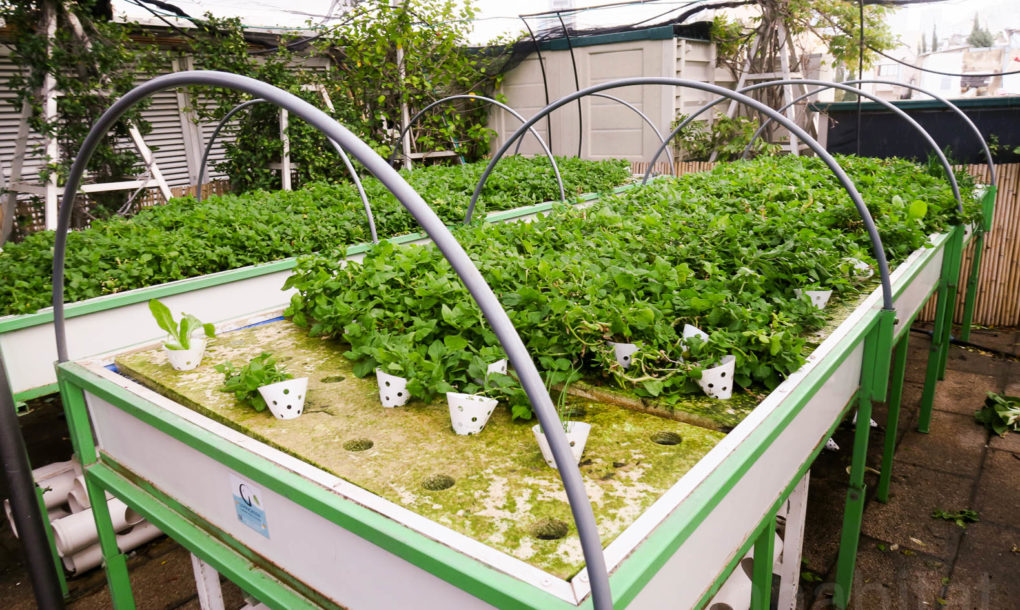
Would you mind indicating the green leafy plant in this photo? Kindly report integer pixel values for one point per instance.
(244, 382)
(187, 239)
(725, 136)
(723, 250)
(179, 334)
(959, 517)
(1000, 413)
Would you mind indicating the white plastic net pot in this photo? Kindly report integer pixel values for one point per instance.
(577, 435)
(469, 412)
(861, 269)
(717, 381)
(286, 399)
(187, 359)
(498, 366)
(623, 352)
(392, 389)
(819, 298)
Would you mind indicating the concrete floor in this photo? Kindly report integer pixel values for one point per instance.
(906, 558)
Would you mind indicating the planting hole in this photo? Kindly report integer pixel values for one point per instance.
(399, 394)
(286, 391)
(358, 444)
(666, 438)
(438, 482)
(386, 383)
(333, 379)
(722, 374)
(474, 419)
(549, 529)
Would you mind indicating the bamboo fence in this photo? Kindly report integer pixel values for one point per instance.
(998, 289)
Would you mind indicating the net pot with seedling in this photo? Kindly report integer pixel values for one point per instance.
(261, 384)
(577, 432)
(183, 349)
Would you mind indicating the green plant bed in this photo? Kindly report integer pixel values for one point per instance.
(187, 239)
(502, 493)
(725, 251)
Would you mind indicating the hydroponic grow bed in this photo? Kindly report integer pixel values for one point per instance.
(690, 530)
(216, 490)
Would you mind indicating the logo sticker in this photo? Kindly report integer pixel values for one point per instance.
(248, 503)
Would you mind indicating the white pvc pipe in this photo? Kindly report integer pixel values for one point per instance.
(77, 531)
(56, 480)
(53, 514)
(91, 557)
(78, 499)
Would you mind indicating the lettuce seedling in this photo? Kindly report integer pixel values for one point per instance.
(244, 382)
(179, 334)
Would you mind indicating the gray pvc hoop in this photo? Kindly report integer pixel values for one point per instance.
(500, 323)
(844, 180)
(935, 147)
(339, 150)
(658, 134)
(956, 191)
(545, 147)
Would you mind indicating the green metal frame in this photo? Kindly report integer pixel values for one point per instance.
(484, 582)
(987, 215)
(939, 350)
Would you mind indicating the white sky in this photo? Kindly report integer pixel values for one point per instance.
(499, 16)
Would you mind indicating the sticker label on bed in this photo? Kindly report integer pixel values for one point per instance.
(248, 503)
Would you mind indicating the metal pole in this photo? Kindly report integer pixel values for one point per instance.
(28, 518)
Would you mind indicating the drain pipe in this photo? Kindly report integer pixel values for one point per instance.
(24, 504)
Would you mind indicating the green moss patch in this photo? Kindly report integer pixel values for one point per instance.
(494, 486)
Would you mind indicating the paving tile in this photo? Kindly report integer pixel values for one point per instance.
(954, 443)
(985, 574)
(964, 392)
(914, 493)
(1010, 442)
(895, 580)
(998, 493)
(967, 360)
(1012, 381)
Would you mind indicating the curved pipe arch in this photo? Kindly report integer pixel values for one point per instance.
(848, 185)
(494, 313)
(644, 117)
(935, 147)
(545, 147)
(948, 104)
(339, 150)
